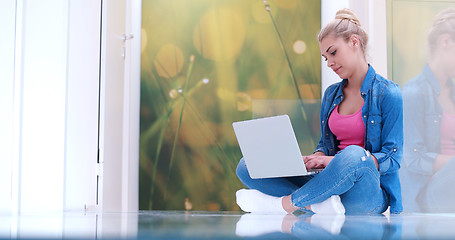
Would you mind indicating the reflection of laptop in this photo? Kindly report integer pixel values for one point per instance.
(270, 148)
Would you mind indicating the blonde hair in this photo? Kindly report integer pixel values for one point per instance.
(444, 23)
(345, 25)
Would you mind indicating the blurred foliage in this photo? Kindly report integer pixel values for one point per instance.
(409, 24)
(206, 64)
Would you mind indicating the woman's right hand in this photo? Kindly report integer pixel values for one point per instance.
(317, 160)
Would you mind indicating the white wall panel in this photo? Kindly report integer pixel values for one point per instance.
(119, 108)
(43, 73)
(7, 24)
(84, 28)
(112, 103)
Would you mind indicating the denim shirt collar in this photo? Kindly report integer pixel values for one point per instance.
(366, 85)
(431, 79)
(429, 76)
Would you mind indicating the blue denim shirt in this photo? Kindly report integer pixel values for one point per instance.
(383, 118)
(422, 117)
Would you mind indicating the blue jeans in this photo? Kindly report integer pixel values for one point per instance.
(351, 174)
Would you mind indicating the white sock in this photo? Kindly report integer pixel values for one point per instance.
(332, 205)
(251, 200)
(330, 223)
(251, 225)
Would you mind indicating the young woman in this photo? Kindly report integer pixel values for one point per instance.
(361, 139)
(429, 107)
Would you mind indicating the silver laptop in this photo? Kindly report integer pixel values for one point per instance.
(270, 148)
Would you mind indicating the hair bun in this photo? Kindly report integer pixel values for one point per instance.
(347, 14)
(445, 15)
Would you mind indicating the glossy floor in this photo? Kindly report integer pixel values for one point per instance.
(225, 225)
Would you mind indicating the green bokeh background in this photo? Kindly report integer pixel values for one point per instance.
(206, 64)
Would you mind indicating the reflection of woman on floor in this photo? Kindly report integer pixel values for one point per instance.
(428, 172)
(360, 147)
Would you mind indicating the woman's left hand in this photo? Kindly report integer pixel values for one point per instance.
(316, 161)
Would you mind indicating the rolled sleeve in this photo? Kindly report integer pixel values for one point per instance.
(321, 149)
(383, 166)
(388, 162)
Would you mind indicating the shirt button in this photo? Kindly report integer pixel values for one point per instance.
(394, 150)
(372, 121)
(334, 104)
(365, 116)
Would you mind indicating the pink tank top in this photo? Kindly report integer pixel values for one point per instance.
(349, 129)
(447, 134)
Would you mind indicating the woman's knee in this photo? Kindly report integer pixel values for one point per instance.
(352, 155)
(354, 150)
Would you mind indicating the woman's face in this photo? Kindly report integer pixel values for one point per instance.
(340, 55)
(449, 57)
(443, 56)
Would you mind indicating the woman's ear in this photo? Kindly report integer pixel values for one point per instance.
(354, 40)
(444, 40)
